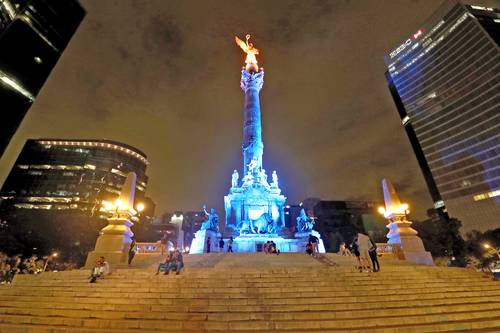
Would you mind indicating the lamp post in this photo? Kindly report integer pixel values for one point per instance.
(53, 255)
(488, 246)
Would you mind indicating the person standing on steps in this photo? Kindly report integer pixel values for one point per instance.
(373, 256)
(221, 245)
(230, 244)
(131, 251)
(208, 245)
(355, 251)
(364, 245)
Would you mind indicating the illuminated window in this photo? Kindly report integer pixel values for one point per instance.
(488, 195)
(405, 120)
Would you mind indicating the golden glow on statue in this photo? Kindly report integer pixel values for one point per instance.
(251, 51)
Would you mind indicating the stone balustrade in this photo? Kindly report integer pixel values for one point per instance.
(394, 250)
(150, 247)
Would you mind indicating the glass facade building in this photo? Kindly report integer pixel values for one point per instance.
(444, 80)
(74, 175)
(33, 35)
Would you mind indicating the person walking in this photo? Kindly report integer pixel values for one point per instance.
(208, 245)
(131, 251)
(221, 245)
(373, 256)
(230, 244)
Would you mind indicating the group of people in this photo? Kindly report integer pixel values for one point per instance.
(12, 265)
(363, 247)
(9, 267)
(270, 248)
(173, 262)
(100, 270)
(221, 244)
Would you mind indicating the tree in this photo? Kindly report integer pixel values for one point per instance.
(441, 236)
(72, 234)
(475, 241)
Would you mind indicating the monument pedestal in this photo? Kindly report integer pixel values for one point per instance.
(401, 232)
(199, 243)
(113, 243)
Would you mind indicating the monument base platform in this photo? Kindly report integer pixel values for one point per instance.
(199, 243)
(255, 243)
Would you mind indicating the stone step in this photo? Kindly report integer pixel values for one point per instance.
(90, 289)
(165, 285)
(169, 292)
(260, 325)
(99, 305)
(180, 280)
(484, 325)
(247, 316)
(213, 303)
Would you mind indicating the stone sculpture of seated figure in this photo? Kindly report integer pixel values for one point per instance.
(212, 221)
(304, 222)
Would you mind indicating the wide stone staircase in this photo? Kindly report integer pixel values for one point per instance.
(244, 292)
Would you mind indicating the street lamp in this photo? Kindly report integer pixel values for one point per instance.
(53, 255)
(140, 207)
(488, 246)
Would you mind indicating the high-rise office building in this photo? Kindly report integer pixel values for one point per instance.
(56, 174)
(33, 35)
(444, 79)
(52, 198)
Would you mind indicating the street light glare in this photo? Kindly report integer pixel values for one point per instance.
(140, 207)
(381, 210)
(487, 246)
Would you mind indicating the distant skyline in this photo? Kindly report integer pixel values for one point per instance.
(163, 76)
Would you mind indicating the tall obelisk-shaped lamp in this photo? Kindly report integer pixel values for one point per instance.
(114, 239)
(400, 230)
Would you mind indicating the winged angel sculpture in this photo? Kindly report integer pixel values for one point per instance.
(251, 51)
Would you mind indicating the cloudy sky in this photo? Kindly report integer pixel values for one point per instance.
(163, 76)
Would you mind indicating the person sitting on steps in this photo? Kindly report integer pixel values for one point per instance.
(309, 248)
(163, 267)
(176, 264)
(273, 248)
(100, 270)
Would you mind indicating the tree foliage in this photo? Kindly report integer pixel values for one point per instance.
(442, 237)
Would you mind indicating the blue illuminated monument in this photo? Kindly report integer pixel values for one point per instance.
(254, 206)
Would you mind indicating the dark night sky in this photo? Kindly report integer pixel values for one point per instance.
(163, 76)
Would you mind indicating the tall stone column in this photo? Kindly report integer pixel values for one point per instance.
(253, 147)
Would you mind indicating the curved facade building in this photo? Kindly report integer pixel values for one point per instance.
(445, 81)
(64, 174)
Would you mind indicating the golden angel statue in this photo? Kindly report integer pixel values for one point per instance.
(251, 51)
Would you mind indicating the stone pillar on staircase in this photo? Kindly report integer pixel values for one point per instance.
(114, 240)
(400, 230)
